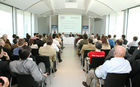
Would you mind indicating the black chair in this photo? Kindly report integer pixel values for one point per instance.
(45, 60)
(116, 80)
(84, 56)
(26, 81)
(14, 57)
(35, 52)
(106, 52)
(96, 61)
(132, 49)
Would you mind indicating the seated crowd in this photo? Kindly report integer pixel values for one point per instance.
(19, 57)
(23, 54)
(121, 58)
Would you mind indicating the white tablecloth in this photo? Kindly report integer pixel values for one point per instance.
(68, 40)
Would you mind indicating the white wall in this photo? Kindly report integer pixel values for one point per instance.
(43, 25)
(100, 26)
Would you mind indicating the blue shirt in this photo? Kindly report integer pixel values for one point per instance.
(16, 50)
(112, 43)
(115, 65)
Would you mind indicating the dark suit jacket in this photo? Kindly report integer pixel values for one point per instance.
(39, 43)
(4, 68)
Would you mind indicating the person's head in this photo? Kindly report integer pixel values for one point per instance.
(2, 43)
(35, 34)
(109, 36)
(24, 52)
(49, 41)
(1, 51)
(14, 35)
(119, 51)
(123, 36)
(44, 35)
(21, 42)
(114, 36)
(40, 37)
(85, 36)
(54, 36)
(119, 42)
(98, 45)
(90, 40)
(135, 38)
(104, 41)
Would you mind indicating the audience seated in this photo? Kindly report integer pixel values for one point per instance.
(35, 36)
(114, 38)
(105, 44)
(117, 65)
(124, 40)
(111, 42)
(39, 41)
(21, 43)
(135, 63)
(110, 55)
(4, 82)
(44, 39)
(133, 43)
(26, 65)
(88, 46)
(4, 63)
(49, 51)
(71, 35)
(7, 42)
(97, 53)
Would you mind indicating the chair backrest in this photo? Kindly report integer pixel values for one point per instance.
(86, 53)
(96, 61)
(106, 52)
(116, 80)
(34, 52)
(26, 81)
(45, 60)
(132, 49)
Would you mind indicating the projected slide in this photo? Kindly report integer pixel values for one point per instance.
(69, 23)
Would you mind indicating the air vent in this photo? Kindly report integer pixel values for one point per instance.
(70, 0)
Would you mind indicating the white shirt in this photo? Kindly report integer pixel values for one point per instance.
(115, 65)
(134, 43)
(53, 46)
(56, 42)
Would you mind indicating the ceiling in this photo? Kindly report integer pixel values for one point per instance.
(94, 8)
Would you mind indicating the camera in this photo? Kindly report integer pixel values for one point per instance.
(2, 81)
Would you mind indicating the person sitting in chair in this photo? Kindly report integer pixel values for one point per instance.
(26, 65)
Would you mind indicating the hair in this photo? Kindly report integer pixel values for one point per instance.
(98, 38)
(109, 36)
(21, 42)
(54, 35)
(49, 41)
(35, 34)
(85, 36)
(44, 35)
(123, 36)
(104, 40)
(24, 52)
(14, 35)
(139, 43)
(119, 42)
(2, 43)
(98, 45)
(135, 38)
(90, 40)
(114, 36)
(40, 36)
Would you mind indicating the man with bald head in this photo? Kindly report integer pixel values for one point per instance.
(117, 64)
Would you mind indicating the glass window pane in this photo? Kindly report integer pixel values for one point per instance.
(6, 21)
(116, 24)
(20, 25)
(133, 23)
(27, 23)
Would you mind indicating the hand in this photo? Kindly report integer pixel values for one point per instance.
(6, 81)
(45, 74)
(6, 55)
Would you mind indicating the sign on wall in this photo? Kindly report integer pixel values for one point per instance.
(85, 29)
(54, 28)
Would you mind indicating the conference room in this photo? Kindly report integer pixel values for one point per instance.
(69, 43)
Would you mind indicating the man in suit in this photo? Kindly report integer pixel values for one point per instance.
(49, 51)
(88, 46)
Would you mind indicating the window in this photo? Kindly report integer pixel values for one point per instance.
(6, 21)
(133, 23)
(20, 25)
(27, 23)
(116, 24)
